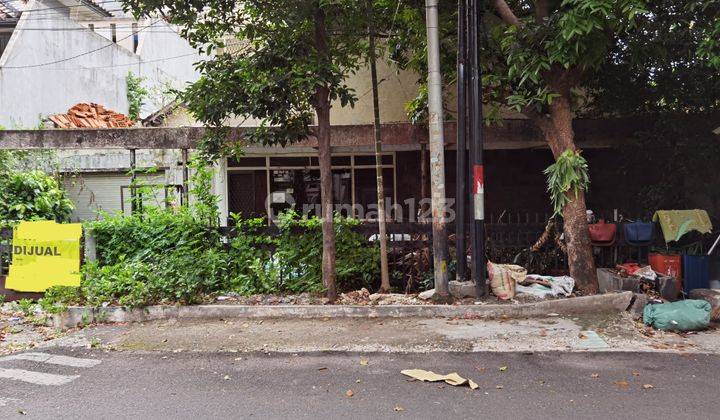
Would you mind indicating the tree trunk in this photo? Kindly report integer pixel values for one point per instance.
(322, 109)
(326, 195)
(382, 215)
(560, 137)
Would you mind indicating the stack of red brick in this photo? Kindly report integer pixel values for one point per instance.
(85, 115)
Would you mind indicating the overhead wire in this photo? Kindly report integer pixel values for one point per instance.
(81, 54)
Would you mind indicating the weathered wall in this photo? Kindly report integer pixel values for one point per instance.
(31, 90)
(396, 88)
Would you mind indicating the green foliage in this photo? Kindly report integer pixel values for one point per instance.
(295, 264)
(136, 94)
(58, 298)
(26, 306)
(523, 65)
(32, 195)
(272, 61)
(568, 175)
(165, 256)
(667, 63)
(407, 48)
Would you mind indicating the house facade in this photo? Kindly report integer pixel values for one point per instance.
(63, 52)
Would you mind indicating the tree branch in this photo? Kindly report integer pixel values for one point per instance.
(542, 10)
(506, 13)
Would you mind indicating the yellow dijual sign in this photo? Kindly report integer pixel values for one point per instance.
(44, 254)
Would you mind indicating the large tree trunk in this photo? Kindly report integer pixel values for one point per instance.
(322, 109)
(560, 137)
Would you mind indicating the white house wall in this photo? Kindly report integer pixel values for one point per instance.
(31, 90)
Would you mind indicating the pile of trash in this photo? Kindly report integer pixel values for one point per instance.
(364, 297)
(639, 279)
(508, 280)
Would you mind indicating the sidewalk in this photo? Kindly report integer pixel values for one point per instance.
(616, 332)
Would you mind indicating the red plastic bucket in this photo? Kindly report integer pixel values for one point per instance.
(668, 265)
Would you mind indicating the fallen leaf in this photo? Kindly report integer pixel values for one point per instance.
(226, 377)
(503, 368)
(622, 384)
(440, 386)
(648, 386)
(322, 368)
(357, 381)
(363, 362)
(595, 375)
(398, 408)
(499, 387)
(349, 393)
(543, 333)
(636, 374)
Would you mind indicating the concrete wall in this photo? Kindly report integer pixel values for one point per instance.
(30, 89)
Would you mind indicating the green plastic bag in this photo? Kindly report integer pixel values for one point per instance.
(683, 315)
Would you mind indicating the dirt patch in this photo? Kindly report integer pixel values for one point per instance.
(21, 331)
(361, 297)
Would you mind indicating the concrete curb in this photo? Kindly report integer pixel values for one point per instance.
(611, 302)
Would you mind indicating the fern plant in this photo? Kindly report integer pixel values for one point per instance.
(569, 174)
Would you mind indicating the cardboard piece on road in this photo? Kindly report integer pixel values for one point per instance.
(44, 254)
(427, 376)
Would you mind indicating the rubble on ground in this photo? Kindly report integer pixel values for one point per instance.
(20, 330)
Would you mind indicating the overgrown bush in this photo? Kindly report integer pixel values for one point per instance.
(179, 255)
(296, 263)
(32, 195)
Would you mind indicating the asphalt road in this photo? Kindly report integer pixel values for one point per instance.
(314, 385)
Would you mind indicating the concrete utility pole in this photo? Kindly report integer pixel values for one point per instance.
(437, 153)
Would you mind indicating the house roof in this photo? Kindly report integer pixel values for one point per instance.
(95, 6)
(7, 11)
(84, 115)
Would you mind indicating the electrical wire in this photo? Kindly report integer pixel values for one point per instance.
(82, 54)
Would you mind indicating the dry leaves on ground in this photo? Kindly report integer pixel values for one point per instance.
(622, 384)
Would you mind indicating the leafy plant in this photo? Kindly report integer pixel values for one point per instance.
(26, 306)
(136, 95)
(33, 195)
(58, 298)
(565, 178)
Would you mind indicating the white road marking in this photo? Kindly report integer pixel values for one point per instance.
(54, 359)
(37, 378)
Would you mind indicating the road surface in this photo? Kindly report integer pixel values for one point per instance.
(81, 383)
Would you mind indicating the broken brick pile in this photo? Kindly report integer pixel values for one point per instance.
(91, 115)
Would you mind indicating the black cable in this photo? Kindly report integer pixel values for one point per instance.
(83, 54)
